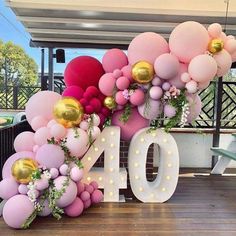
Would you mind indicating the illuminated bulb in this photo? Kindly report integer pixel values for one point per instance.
(169, 152)
(112, 133)
(89, 158)
(111, 169)
(163, 189)
(103, 140)
(168, 177)
(112, 145)
(137, 151)
(89, 178)
(111, 181)
(136, 164)
(95, 149)
(140, 189)
(165, 140)
(142, 140)
(100, 178)
(169, 165)
(111, 157)
(111, 193)
(136, 177)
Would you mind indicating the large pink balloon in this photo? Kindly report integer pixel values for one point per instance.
(202, 68)
(41, 104)
(114, 59)
(134, 123)
(6, 170)
(147, 47)
(24, 141)
(17, 210)
(224, 62)
(38, 122)
(42, 135)
(176, 81)
(188, 40)
(8, 188)
(195, 106)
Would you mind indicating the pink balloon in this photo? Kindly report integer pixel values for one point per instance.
(137, 98)
(166, 86)
(41, 184)
(202, 68)
(156, 81)
(51, 123)
(58, 131)
(96, 196)
(41, 104)
(223, 37)
(120, 99)
(85, 196)
(54, 173)
(42, 135)
(107, 84)
(77, 142)
(46, 209)
(233, 57)
(169, 111)
(114, 59)
(195, 106)
(94, 184)
(75, 209)
(185, 77)
(24, 141)
(117, 73)
(155, 93)
(224, 62)
(134, 123)
(50, 156)
(73, 91)
(166, 66)
(80, 188)
(176, 81)
(8, 188)
(230, 46)
(188, 40)
(17, 210)
(6, 170)
(214, 30)
(89, 189)
(122, 83)
(76, 174)
(38, 122)
(147, 47)
(191, 86)
(87, 204)
(203, 85)
(127, 72)
(95, 132)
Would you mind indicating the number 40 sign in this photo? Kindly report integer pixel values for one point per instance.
(112, 177)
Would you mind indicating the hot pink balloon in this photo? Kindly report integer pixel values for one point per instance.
(8, 188)
(176, 81)
(24, 142)
(107, 84)
(114, 59)
(188, 40)
(42, 135)
(58, 131)
(73, 91)
(147, 47)
(166, 66)
(202, 68)
(214, 30)
(41, 104)
(75, 208)
(38, 122)
(195, 106)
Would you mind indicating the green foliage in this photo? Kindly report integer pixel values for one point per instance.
(16, 65)
(126, 114)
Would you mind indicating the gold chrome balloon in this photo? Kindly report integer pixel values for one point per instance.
(22, 170)
(110, 103)
(215, 45)
(142, 72)
(68, 112)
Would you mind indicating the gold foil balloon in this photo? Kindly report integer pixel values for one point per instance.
(142, 72)
(110, 103)
(215, 45)
(22, 170)
(68, 112)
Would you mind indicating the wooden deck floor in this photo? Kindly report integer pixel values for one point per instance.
(202, 205)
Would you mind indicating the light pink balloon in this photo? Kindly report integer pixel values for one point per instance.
(191, 86)
(188, 40)
(176, 81)
(58, 131)
(224, 62)
(24, 142)
(76, 174)
(6, 170)
(203, 85)
(23, 189)
(42, 135)
(185, 77)
(127, 72)
(122, 83)
(166, 66)
(8, 188)
(147, 47)
(223, 37)
(95, 132)
(230, 46)
(214, 30)
(107, 84)
(169, 111)
(195, 106)
(41, 104)
(137, 98)
(96, 120)
(84, 125)
(202, 68)
(77, 142)
(46, 209)
(38, 122)
(155, 93)
(156, 81)
(51, 123)
(41, 184)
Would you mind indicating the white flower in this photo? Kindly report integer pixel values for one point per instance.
(46, 175)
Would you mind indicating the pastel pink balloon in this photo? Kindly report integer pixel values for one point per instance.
(8, 188)
(80, 188)
(122, 83)
(223, 37)
(42, 135)
(50, 156)
(230, 46)
(76, 174)
(17, 210)
(147, 47)
(54, 173)
(114, 59)
(166, 86)
(127, 72)
(73, 91)
(75, 209)
(107, 84)
(203, 85)
(166, 66)
(117, 73)
(70, 192)
(224, 62)
(185, 77)
(84, 125)
(191, 86)
(214, 30)
(96, 120)
(23, 189)
(46, 209)
(137, 98)
(58, 131)
(95, 132)
(169, 111)
(77, 142)
(195, 107)
(41, 104)
(51, 123)
(156, 81)
(38, 122)
(188, 40)
(134, 123)
(41, 184)
(85, 196)
(6, 170)
(35, 148)
(120, 99)
(155, 93)
(202, 68)
(96, 196)
(150, 111)
(24, 142)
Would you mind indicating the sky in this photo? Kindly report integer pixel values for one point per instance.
(13, 30)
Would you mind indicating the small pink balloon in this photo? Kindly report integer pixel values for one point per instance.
(87, 204)
(8, 188)
(95, 132)
(46, 209)
(230, 46)
(127, 72)
(169, 111)
(94, 184)
(137, 98)
(214, 30)
(191, 86)
(120, 99)
(122, 83)
(41, 184)
(51, 123)
(223, 37)
(76, 174)
(185, 77)
(96, 196)
(107, 84)
(75, 209)
(96, 120)
(23, 189)
(155, 93)
(166, 86)
(156, 81)
(80, 188)
(35, 148)
(117, 73)
(73, 91)
(85, 196)
(58, 131)
(38, 122)
(84, 125)
(42, 135)
(89, 189)
(64, 169)
(54, 173)
(203, 85)
(24, 142)
(195, 107)
(166, 66)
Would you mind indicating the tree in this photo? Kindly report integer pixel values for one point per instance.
(16, 67)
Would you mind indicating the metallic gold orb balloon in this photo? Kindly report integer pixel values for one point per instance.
(22, 170)
(215, 45)
(142, 72)
(110, 103)
(68, 112)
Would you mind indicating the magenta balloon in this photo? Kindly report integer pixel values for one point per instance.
(70, 192)
(134, 123)
(107, 84)
(46, 209)
(8, 188)
(94, 184)
(24, 142)
(75, 208)
(38, 122)
(166, 66)
(195, 106)
(114, 59)
(41, 104)
(147, 47)
(188, 40)
(73, 91)
(6, 170)
(17, 210)
(50, 156)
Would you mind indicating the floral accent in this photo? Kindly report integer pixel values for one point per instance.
(185, 113)
(173, 92)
